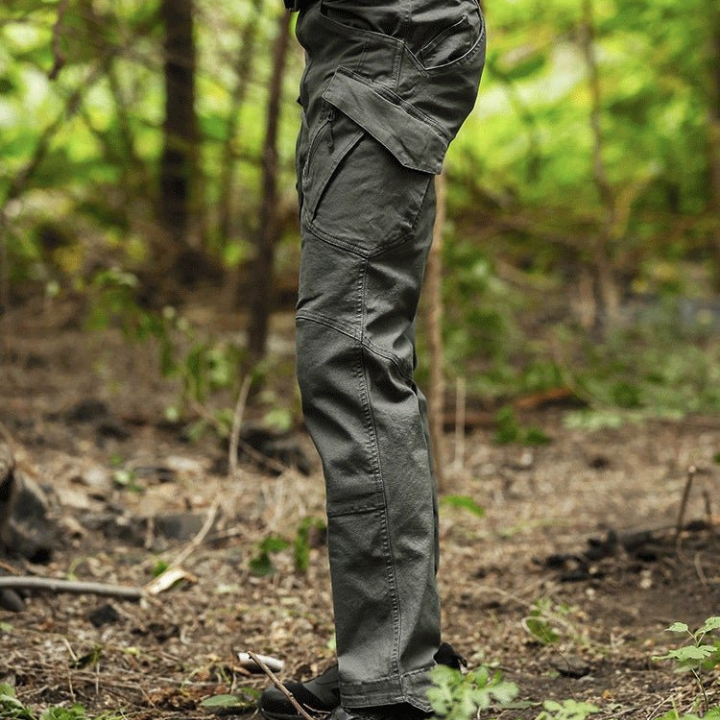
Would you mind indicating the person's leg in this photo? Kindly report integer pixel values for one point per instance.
(364, 414)
(366, 181)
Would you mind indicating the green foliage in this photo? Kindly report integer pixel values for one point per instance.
(698, 654)
(301, 545)
(712, 714)
(455, 696)
(701, 653)
(12, 709)
(509, 430)
(243, 701)
(540, 622)
(567, 710)
(261, 564)
(465, 502)
(658, 368)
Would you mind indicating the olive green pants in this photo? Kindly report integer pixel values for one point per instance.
(386, 87)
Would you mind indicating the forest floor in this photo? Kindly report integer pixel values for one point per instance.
(578, 539)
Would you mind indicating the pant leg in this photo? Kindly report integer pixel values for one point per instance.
(368, 205)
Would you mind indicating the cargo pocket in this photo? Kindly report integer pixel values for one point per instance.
(369, 166)
(455, 44)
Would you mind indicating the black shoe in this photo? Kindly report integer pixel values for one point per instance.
(322, 694)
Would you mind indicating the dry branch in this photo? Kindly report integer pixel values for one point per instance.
(692, 470)
(21, 582)
(237, 424)
(279, 685)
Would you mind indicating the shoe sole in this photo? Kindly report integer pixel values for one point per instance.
(280, 716)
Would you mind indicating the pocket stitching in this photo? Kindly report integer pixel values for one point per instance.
(453, 64)
(429, 47)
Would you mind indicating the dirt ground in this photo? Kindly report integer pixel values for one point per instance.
(578, 539)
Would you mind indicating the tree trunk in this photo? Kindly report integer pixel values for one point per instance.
(714, 134)
(260, 300)
(243, 68)
(178, 164)
(608, 295)
(433, 288)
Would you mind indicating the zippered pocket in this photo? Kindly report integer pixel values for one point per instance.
(334, 139)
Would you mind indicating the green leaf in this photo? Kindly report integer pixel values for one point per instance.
(261, 565)
(274, 543)
(245, 701)
(712, 623)
(678, 627)
(463, 501)
(541, 630)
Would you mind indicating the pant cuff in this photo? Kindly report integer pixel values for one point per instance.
(409, 688)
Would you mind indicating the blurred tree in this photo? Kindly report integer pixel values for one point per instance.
(178, 203)
(260, 290)
(714, 127)
(243, 70)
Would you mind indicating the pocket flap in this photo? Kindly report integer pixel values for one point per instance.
(414, 142)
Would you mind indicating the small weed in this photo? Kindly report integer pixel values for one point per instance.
(712, 714)
(302, 544)
(12, 709)
(509, 430)
(545, 619)
(698, 655)
(261, 564)
(567, 710)
(242, 701)
(455, 696)
(465, 502)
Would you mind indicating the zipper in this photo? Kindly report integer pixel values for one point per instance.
(332, 114)
(330, 118)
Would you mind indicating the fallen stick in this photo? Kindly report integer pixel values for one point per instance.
(198, 539)
(280, 686)
(691, 472)
(237, 425)
(22, 582)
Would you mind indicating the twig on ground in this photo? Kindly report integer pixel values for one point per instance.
(9, 568)
(197, 540)
(237, 424)
(691, 472)
(697, 562)
(23, 582)
(280, 686)
(460, 401)
(708, 509)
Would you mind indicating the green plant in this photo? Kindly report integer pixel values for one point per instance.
(699, 654)
(12, 709)
(243, 700)
(261, 564)
(455, 696)
(566, 710)
(301, 545)
(509, 430)
(540, 623)
(674, 714)
(465, 502)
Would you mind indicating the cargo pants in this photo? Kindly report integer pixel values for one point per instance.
(387, 85)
